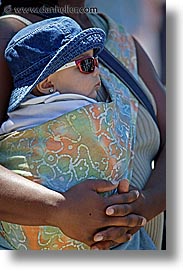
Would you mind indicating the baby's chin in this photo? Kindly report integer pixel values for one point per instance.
(93, 94)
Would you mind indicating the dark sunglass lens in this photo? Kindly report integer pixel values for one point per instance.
(87, 65)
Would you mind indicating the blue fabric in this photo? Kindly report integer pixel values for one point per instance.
(109, 60)
(4, 245)
(40, 49)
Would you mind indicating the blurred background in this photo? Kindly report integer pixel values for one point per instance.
(145, 20)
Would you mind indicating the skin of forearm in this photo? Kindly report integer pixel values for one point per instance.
(25, 202)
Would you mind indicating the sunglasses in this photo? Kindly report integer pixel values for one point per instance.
(86, 65)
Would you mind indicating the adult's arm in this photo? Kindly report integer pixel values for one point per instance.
(152, 199)
(80, 208)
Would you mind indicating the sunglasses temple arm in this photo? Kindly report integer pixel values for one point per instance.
(66, 66)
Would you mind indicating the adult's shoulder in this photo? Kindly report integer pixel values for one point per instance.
(10, 25)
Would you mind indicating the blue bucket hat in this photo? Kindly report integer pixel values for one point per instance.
(42, 48)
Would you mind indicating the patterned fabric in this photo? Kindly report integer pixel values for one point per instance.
(93, 142)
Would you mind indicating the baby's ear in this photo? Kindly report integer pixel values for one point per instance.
(45, 86)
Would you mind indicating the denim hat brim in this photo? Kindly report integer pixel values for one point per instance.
(92, 38)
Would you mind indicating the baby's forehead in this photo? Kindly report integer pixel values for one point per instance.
(88, 53)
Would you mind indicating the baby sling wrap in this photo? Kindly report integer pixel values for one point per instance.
(92, 142)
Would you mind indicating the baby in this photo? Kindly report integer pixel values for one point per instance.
(66, 59)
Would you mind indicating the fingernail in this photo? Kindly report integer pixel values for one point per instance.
(98, 238)
(137, 193)
(144, 221)
(109, 211)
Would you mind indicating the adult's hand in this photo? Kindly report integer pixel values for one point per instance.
(112, 236)
(82, 212)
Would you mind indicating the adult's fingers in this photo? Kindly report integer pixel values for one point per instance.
(106, 245)
(119, 210)
(101, 185)
(131, 220)
(112, 233)
(110, 237)
(123, 186)
(123, 198)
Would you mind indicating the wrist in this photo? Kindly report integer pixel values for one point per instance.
(149, 204)
(145, 206)
(54, 212)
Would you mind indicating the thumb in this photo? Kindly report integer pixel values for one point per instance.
(123, 186)
(103, 186)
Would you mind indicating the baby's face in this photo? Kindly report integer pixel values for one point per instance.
(71, 80)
